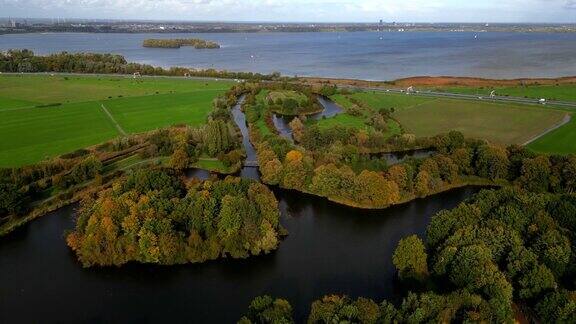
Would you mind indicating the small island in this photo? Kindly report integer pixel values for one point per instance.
(292, 103)
(154, 216)
(179, 42)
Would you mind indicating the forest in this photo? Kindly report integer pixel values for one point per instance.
(502, 253)
(153, 216)
(179, 42)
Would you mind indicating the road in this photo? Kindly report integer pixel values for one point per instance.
(437, 94)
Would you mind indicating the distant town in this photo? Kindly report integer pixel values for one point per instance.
(22, 25)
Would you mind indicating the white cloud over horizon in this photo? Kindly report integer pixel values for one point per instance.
(300, 10)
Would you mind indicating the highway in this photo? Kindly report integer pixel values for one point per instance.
(437, 94)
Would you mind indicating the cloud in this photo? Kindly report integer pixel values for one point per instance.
(570, 4)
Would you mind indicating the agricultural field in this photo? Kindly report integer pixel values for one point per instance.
(43, 116)
(499, 123)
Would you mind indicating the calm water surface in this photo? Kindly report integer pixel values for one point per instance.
(330, 249)
(363, 55)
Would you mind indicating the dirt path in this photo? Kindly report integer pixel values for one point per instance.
(566, 120)
(118, 127)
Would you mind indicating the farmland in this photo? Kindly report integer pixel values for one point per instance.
(46, 116)
(499, 123)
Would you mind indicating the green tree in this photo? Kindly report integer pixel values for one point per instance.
(410, 258)
(535, 174)
(265, 309)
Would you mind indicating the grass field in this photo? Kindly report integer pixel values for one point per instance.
(563, 92)
(30, 134)
(559, 141)
(211, 165)
(286, 94)
(504, 124)
(499, 123)
(343, 120)
(42, 89)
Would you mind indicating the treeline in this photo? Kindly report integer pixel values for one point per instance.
(179, 42)
(503, 248)
(152, 216)
(17, 61)
(457, 162)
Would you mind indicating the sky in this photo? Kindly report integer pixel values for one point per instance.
(489, 11)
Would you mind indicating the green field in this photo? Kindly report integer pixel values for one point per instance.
(499, 123)
(559, 141)
(42, 89)
(563, 92)
(30, 134)
(287, 94)
(343, 120)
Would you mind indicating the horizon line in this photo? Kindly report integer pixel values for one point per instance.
(161, 20)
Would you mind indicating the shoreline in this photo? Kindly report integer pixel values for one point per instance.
(440, 81)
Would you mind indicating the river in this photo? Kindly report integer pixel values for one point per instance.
(361, 55)
(330, 249)
(282, 123)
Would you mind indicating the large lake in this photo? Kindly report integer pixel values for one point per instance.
(363, 55)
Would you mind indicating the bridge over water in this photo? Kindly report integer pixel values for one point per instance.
(251, 164)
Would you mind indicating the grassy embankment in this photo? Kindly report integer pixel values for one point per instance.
(497, 122)
(43, 116)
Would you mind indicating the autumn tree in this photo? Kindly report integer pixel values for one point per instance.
(179, 159)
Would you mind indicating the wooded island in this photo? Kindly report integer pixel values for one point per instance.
(179, 42)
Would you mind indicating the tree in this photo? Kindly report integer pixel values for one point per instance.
(272, 172)
(179, 159)
(410, 258)
(557, 307)
(399, 175)
(535, 174)
(492, 162)
(11, 199)
(297, 129)
(423, 183)
(375, 190)
(265, 309)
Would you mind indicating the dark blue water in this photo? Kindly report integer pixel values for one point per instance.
(366, 55)
(331, 249)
